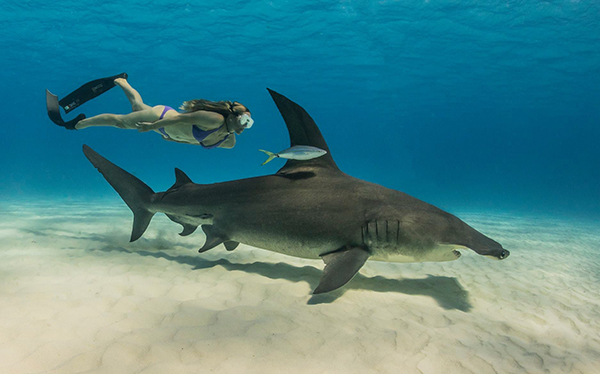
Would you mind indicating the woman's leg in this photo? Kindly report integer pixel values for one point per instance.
(141, 112)
(126, 121)
(134, 97)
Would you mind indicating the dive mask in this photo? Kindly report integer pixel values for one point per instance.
(246, 121)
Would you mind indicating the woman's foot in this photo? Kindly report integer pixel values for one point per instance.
(82, 124)
(120, 82)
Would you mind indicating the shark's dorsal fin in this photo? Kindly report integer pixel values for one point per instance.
(180, 179)
(303, 131)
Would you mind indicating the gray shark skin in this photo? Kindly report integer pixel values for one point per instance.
(308, 209)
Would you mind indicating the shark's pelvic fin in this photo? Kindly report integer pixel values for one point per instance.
(213, 238)
(230, 245)
(303, 131)
(340, 267)
(134, 192)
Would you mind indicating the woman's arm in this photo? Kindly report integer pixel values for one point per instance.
(229, 142)
(176, 141)
(203, 119)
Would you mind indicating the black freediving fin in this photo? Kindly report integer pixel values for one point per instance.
(213, 238)
(88, 91)
(340, 267)
(53, 109)
(76, 98)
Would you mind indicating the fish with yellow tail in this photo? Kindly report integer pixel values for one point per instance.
(297, 152)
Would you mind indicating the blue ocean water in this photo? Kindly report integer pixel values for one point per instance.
(469, 105)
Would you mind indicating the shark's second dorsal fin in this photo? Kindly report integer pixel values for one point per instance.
(303, 131)
(180, 179)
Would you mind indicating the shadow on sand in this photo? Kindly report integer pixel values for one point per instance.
(448, 293)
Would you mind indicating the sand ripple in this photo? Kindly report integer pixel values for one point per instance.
(75, 296)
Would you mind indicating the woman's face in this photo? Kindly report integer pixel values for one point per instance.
(241, 122)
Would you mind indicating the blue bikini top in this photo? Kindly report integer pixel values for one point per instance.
(197, 132)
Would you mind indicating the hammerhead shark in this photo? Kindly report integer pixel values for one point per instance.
(308, 209)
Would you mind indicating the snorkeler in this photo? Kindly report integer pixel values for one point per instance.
(207, 123)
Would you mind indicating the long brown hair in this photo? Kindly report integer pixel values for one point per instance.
(224, 108)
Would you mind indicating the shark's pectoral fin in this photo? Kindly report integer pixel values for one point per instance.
(340, 267)
(230, 245)
(213, 238)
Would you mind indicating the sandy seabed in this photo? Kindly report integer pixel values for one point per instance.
(77, 297)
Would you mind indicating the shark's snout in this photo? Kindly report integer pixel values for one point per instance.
(497, 255)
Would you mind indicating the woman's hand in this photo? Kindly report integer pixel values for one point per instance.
(145, 126)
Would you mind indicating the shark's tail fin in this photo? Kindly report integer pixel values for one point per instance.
(134, 192)
(270, 154)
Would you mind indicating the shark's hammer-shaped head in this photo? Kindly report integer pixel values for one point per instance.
(425, 235)
(459, 233)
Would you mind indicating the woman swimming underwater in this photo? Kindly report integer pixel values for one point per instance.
(209, 124)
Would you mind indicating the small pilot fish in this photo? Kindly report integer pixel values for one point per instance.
(297, 152)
